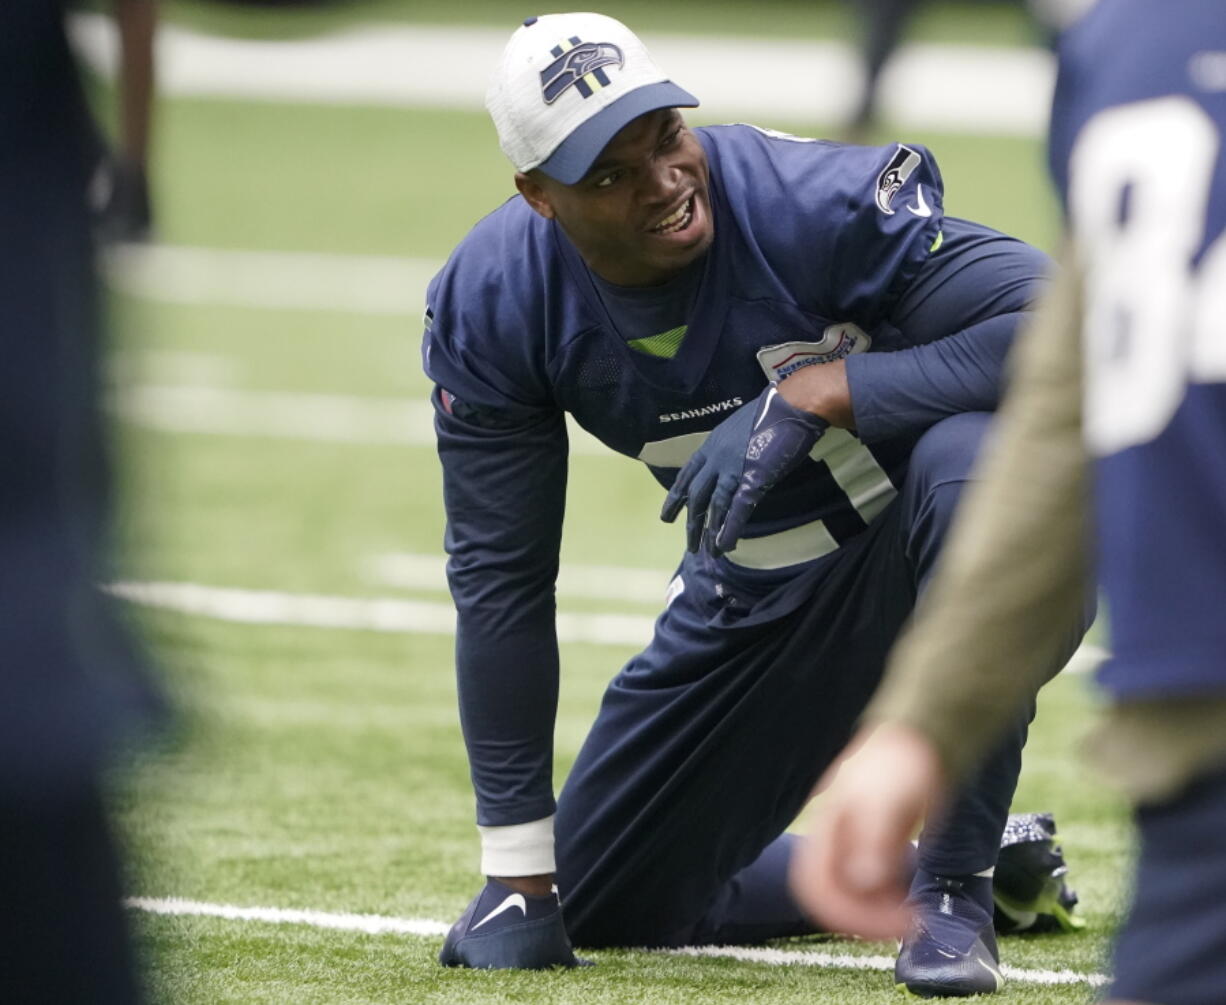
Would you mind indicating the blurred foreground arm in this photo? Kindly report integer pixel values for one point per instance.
(137, 25)
(999, 610)
(121, 190)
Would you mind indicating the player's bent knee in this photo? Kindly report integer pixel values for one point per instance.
(940, 467)
(947, 451)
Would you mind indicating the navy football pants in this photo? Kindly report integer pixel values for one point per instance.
(1172, 948)
(709, 742)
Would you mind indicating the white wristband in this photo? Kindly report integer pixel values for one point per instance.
(518, 850)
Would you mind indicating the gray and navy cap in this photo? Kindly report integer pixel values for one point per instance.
(566, 85)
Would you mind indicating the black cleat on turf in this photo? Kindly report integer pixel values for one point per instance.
(503, 929)
(1029, 889)
(950, 951)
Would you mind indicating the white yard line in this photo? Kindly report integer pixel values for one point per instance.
(284, 280)
(994, 90)
(172, 366)
(409, 571)
(293, 415)
(375, 924)
(376, 614)
(597, 582)
(845, 961)
(388, 614)
(372, 924)
(1086, 659)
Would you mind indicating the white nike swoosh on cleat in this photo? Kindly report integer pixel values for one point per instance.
(1000, 981)
(514, 900)
(923, 209)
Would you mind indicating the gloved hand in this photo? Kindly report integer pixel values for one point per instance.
(742, 459)
(506, 930)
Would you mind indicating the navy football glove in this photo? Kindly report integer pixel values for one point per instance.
(742, 459)
(505, 930)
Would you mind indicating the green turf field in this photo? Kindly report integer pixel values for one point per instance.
(960, 21)
(322, 769)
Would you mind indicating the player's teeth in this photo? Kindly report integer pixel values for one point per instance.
(675, 221)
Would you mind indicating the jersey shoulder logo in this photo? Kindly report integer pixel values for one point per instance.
(579, 65)
(837, 342)
(894, 175)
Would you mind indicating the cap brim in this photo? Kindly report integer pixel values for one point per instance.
(578, 152)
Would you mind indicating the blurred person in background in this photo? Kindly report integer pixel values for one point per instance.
(119, 189)
(761, 319)
(1108, 467)
(881, 25)
(71, 683)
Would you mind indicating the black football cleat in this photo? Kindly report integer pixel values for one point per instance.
(503, 929)
(950, 951)
(1029, 887)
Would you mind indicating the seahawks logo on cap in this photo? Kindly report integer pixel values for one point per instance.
(579, 65)
(894, 176)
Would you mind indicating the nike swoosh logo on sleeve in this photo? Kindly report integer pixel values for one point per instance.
(923, 209)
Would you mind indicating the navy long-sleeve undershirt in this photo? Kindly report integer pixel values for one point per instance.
(963, 310)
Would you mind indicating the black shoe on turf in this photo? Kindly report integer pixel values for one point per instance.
(950, 951)
(1029, 888)
(503, 929)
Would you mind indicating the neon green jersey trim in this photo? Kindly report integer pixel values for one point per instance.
(938, 242)
(664, 345)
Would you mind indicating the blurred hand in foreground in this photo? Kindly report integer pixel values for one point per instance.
(852, 870)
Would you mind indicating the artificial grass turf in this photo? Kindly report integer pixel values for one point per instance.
(294, 515)
(314, 352)
(323, 770)
(959, 21)
(413, 181)
(205, 961)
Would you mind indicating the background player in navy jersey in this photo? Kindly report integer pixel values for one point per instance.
(1128, 458)
(73, 686)
(804, 350)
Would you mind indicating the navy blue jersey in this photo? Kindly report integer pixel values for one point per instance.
(1137, 131)
(821, 251)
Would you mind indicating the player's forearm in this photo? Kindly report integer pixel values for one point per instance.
(1011, 589)
(508, 694)
(504, 487)
(507, 665)
(822, 390)
(507, 671)
(959, 316)
(137, 23)
(905, 392)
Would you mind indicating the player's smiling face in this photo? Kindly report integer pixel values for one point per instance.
(643, 212)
